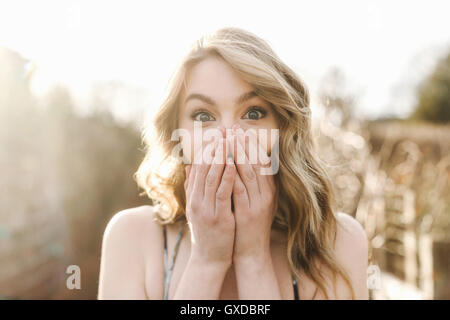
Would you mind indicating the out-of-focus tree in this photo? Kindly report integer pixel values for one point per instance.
(434, 95)
(122, 102)
(334, 96)
(63, 177)
(340, 138)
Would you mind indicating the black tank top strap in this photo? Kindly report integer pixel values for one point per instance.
(295, 285)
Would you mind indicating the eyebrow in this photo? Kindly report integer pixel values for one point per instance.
(244, 97)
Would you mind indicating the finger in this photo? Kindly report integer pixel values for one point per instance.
(265, 163)
(247, 146)
(225, 189)
(187, 170)
(261, 160)
(238, 157)
(190, 184)
(215, 172)
(193, 171)
(202, 169)
(246, 171)
(261, 154)
(240, 196)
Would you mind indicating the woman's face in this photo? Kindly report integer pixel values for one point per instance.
(217, 98)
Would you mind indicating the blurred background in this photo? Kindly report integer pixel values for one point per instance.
(78, 78)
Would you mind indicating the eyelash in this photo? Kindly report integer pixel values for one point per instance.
(254, 108)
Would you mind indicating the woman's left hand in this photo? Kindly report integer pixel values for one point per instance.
(255, 198)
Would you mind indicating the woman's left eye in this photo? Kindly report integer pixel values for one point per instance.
(256, 113)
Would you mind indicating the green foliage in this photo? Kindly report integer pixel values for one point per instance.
(434, 95)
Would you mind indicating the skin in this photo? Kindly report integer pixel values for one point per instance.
(226, 254)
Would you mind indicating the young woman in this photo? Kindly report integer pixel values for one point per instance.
(233, 232)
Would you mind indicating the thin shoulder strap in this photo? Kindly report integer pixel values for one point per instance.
(294, 281)
(167, 269)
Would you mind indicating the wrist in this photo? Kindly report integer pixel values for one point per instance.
(257, 253)
(207, 264)
(251, 266)
(259, 258)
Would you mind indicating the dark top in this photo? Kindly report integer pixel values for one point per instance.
(168, 270)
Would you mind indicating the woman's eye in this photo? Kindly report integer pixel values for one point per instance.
(253, 113)
(256, 113)
(201, 116)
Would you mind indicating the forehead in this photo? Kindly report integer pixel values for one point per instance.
(214, 77)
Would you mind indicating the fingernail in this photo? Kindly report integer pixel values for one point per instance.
(230, 160)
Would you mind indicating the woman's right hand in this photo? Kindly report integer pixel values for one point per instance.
(208, 188)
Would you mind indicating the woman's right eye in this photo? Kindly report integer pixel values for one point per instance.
(202, 116)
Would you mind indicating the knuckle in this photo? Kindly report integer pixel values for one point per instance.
(211, 179)
(239, 190)
(203, 168)
(250, 175)
(228, 172)
(228, 175)
(221, 195)
(211, 219)
(194, 205)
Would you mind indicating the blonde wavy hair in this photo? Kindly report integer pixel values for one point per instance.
(306, 198)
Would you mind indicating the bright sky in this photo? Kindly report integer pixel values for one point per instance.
(381, 46)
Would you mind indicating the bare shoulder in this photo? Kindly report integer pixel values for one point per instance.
(351, 253)
(131, 239)
(133, 221)
(351, 250)
(128, 226)
(350, 230)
